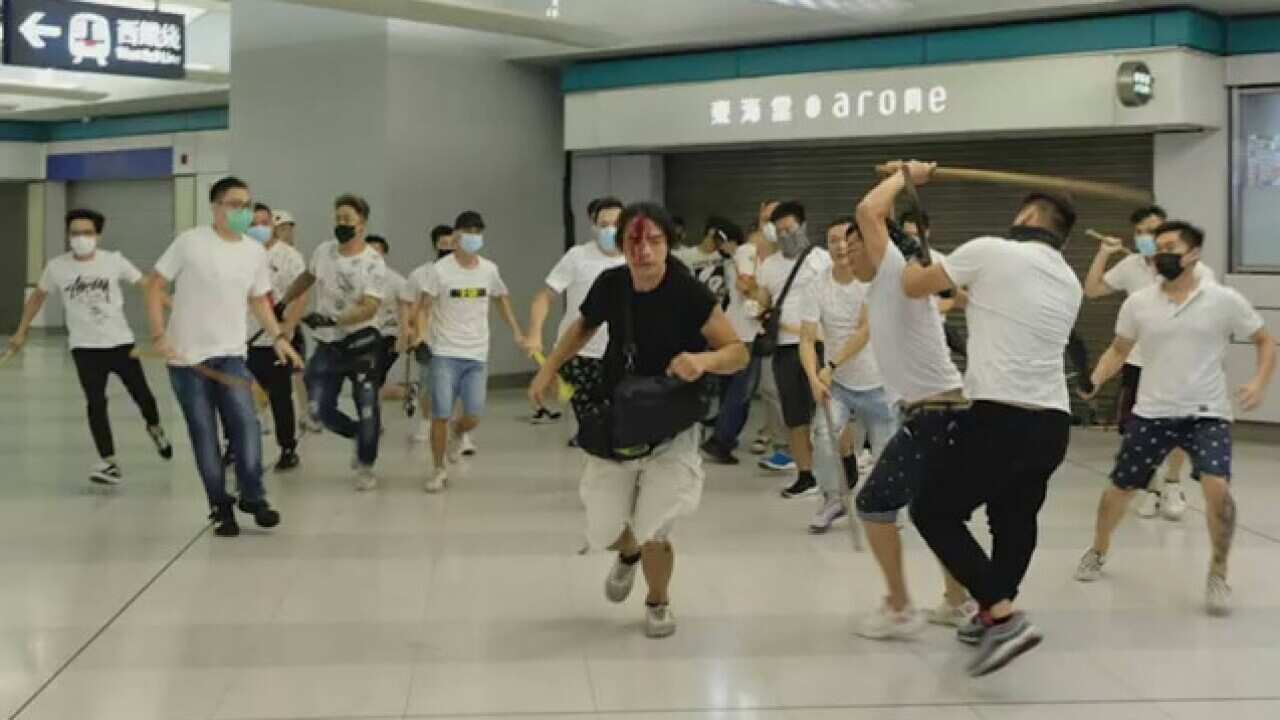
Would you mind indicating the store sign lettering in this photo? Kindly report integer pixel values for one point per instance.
(787, 109)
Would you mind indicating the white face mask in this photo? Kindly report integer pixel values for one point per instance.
(770, 232)
(84, 245)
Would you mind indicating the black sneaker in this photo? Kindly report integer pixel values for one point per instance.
(1003, 643)
(261, 512)
(717, 454)
(163, 446)
(224, 519)
(288, 460)
(542, 416)
(804, 485)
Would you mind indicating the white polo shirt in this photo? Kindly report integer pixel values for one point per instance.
(1186, 344)
(1134, 273)
(1023, 301)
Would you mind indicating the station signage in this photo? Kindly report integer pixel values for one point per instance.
(87, 37)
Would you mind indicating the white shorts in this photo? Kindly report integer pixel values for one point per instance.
(646, 495)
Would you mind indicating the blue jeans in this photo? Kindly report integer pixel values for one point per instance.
(203, 401)
(871, 408)
(325, 373)
(735, 405)
(454, 379)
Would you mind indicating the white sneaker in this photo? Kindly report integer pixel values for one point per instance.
(106, 473)
(1090, 567)
(1217, 595)
(366, 480)
(436, 482)
(1173, 503)
(465, 445)
(889, 624)
(621, 578)
(1149, 504)
(950, 615)
(659, 621)
(832, 509)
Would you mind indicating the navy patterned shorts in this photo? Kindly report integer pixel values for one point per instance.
(1207, 442)
(927, 443)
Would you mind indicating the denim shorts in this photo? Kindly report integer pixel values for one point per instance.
(1148, 440)
(453, 379)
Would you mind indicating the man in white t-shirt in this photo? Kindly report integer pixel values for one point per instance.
(285, 264)
(910, 350)
(1185, 323)
(219, 274)
(88, 280)
(1135, 272)
(283, 230)
(793, 385)
(389, 310)
(848, 385)
(412, 338)
(350, 285)
(456, 297)
(1023, 299)
(573, 276)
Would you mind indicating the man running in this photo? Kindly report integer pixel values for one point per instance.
(88, 278)
(1185, 324)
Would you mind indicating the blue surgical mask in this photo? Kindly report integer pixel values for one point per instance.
(1146, 244)
(261, 233)
(471, 243)
(607, 238)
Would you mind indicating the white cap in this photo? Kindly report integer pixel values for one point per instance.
(282, 217)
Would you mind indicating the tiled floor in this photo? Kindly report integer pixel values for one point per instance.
(476, 603)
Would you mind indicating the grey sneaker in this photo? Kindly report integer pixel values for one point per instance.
(832, 509)
(1003, 643)
(1217, 596)
(659, 621)
(617, 586)
(971, 632)
(1090, 567)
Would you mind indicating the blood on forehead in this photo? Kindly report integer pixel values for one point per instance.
(641, 227)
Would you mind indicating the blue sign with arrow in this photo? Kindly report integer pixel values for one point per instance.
(94, 38)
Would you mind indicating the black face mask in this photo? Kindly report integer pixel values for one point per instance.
(1169, 265)
(344, 233)
(1025, 233)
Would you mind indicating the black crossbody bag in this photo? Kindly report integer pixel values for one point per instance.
(643, 411)
(766, 343)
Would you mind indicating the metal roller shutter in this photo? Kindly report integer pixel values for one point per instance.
(829, 179)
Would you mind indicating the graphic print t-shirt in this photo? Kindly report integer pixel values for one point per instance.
(341, 282)
(460, 299)
(711, 269)
(90, 292)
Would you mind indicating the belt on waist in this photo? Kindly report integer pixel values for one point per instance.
(925, 406)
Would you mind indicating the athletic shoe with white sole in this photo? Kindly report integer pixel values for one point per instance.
(466, 446)
(659, 621)
(161, 441)
(761, 444)
(778, 462)
(436, 482)
(1003, 643)
(1090, 567)
(1149, 504)
(889, 624)
(832, 509)
(621, 578)
(1173, 503)
(803, 486)
(956, 616)
(366, 480)
(106, 473)
(1217, 596)
(972, 631)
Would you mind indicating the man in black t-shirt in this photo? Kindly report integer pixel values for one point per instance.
(679, 330)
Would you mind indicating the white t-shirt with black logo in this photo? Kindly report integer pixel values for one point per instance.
(90, 292)
(1133, 274)
(1186, 346)
(574, 275)
(836, 308)
(1023, 302)
(460, 307)
(285, 264)
(342, 282)
(907, 339)
(215, 281)
(772, 276)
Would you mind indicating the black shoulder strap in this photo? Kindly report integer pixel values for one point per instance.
(629, 349)
(792, 277)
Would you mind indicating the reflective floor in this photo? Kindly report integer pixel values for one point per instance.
(121, 604)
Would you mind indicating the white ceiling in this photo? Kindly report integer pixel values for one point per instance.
(545, 31)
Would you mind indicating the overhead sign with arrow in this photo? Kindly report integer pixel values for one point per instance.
(88, 37)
